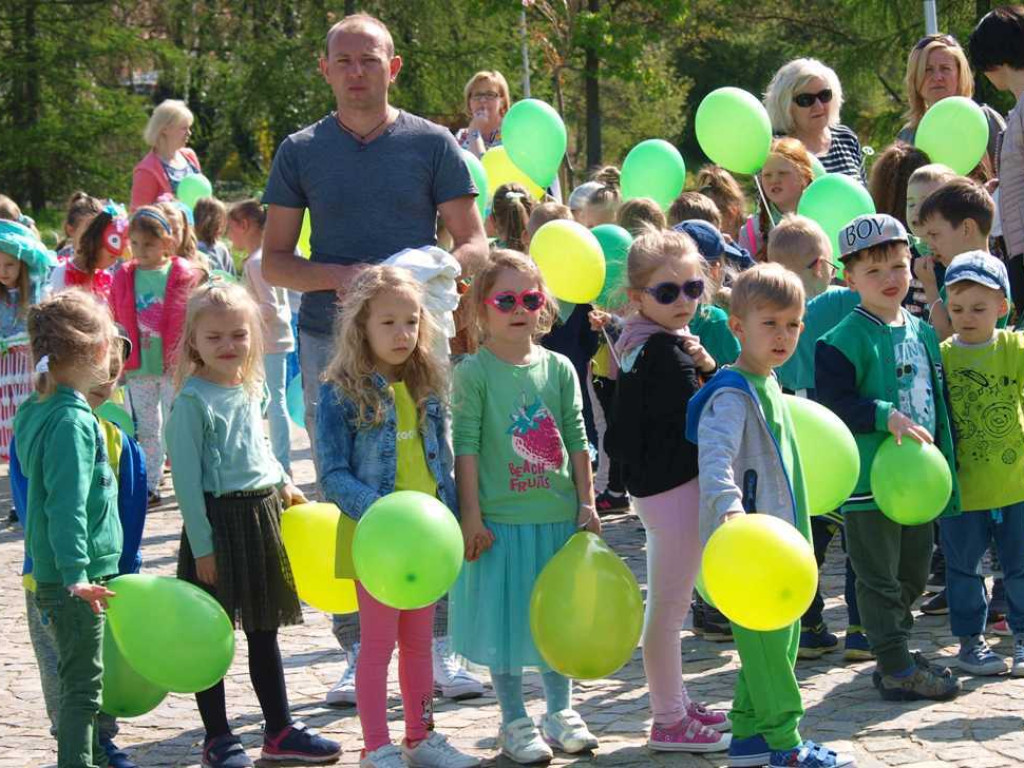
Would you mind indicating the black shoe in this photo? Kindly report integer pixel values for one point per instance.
(697, 609)
(717, 628)
(12, 516)
(609, 503)
(936, 580)
(935, 605)
(155, 499)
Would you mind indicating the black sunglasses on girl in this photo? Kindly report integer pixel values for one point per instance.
(668, 293)
(507, 301)
(807, 99)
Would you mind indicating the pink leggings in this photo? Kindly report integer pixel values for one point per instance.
(379, 628)
(673, 560)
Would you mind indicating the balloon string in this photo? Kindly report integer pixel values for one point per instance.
(611, 347)
(764, 202)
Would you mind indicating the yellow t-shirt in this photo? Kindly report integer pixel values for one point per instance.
(411, 472)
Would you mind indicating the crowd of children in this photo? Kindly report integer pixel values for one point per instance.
(665, 399)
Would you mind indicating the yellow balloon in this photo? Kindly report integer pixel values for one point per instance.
(311, 534)
(501, 170)
(760, 572)
(304, 234)
(571, 260)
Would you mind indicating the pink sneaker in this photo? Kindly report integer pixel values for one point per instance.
(714, 719)
(1001, 628)
(688, 735)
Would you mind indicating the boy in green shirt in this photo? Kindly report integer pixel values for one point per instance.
(880, 371)
(744, 435)
(985, 368)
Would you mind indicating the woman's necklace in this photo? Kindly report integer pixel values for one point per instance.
(362, 138)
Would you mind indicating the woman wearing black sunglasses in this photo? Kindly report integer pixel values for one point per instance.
(803, 101)
(936, 69)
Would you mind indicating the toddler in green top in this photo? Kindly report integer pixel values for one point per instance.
(985, 367)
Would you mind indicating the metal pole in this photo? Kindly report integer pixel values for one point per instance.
(526, 54)
(931, 18)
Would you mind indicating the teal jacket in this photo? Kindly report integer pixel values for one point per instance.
(73, 533)
(855, 377)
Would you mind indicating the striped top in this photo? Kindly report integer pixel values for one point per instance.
(844, 154)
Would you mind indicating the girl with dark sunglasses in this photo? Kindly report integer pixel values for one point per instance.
(661, 366)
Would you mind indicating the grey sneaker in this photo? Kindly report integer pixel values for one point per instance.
(923, 683)
(977, 658)
(1018, 657)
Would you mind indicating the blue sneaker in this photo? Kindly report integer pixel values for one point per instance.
(299, 744)
(809, 755)
(116, 758)
(976, 658)
(816, 642)
(857, 647)
(751, 751)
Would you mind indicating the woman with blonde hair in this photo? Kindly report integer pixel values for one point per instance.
(804, 100)
(169, 160)
(487, 101)
(936, 69)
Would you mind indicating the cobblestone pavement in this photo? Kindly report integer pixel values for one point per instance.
(981, 729)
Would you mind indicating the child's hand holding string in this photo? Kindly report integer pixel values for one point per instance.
(477, 537)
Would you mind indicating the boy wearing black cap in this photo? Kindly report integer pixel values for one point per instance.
(985, 366)
(880, 371)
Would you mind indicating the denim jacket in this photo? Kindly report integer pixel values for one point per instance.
(358, 465)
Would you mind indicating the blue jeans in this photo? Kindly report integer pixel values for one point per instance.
(276, 367)
(964, 541)
(314, 352)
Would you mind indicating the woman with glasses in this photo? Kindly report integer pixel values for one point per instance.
(487, 101)
(937, 68)
(803, 101)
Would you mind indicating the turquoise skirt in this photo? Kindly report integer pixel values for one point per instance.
(489, 605)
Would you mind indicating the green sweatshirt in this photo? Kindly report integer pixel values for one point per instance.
(72, 533)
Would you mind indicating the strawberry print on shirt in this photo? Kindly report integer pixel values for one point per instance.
(536, 440)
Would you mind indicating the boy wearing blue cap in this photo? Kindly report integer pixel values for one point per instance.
(880, 371)
(985, 367)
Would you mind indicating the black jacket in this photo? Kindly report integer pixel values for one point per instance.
(648, 433)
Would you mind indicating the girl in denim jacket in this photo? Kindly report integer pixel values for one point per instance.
(381, 427)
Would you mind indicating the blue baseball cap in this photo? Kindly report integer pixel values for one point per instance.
(981, 268)
(709, 240)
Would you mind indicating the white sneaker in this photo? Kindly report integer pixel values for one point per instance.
(435, 751)
(343, 694)
(388, 756)
(521, 742)
(566, 731)
(451, 680)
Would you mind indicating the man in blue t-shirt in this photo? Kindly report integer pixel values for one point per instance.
(375, 180)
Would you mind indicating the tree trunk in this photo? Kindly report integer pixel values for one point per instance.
(28, 102)
(593, 96)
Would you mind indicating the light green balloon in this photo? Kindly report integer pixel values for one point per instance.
(193, 187)
(654, 169)
(586, 612)
(834, 201)
(911, 482)
(733, 130)
(817, 168)
(476, 170)
(171, 632)
(535, 138)
(407, 550)
(954, 132)
(117, 414)
(828, 454)
(126, 693)
(615, 243)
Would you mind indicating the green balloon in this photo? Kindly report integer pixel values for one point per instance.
(193, 187)
(534, 136)
(817, 168)
(834, 201)
(654, 169)
(111, 411)
(407, 550)
(954, 132)
(911, 482)
(828, 454)
(295, 403)
(586, 612)
(170, 631)
(701, 588)
(733, 129)
(615, 242)
(476, 170)
(126, 693)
